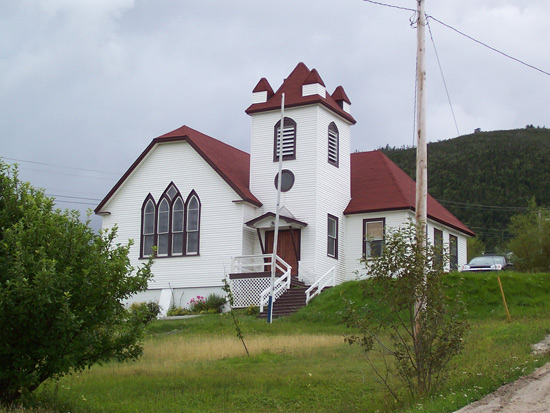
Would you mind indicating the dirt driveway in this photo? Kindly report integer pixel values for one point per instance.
(528, 394)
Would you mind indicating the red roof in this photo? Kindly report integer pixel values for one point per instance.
(339, 95)
(232, 164)
(313, 78)
(378, 184)
(264, 86)
(292, 88)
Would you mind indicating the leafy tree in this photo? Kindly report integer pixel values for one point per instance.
(475, 247)
(410, 318)
(531, 242)
(484, 178)
(61, 287)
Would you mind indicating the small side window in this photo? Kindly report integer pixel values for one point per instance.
(453, 252)
(438, 244)
(332, 236)
(373, 237)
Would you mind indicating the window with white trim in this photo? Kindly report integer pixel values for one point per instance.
(333, 144)
(289, 140)
(373, 237)
(332, 236)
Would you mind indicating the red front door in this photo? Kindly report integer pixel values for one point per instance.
(288, 247)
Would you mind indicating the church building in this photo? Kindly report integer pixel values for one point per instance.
(209, 208)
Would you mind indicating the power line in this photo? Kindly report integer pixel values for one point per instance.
(481, 206)
(463, 34)
(74, 192)
(62, 166)
(73, 175)
(74, 197)
(390, 5)
(443, 77)
(75, 202)
(487, 46)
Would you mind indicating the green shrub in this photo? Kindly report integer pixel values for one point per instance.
(215, 302)
(61, 288)
(252, 310)
(149, 310)
(175, 311)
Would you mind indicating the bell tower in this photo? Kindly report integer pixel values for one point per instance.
(316, 160)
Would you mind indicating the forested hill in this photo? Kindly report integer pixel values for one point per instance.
(486, 177)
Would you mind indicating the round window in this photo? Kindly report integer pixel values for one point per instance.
(287, 180)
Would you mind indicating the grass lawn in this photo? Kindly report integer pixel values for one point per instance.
(301, 363)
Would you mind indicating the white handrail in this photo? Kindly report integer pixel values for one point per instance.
(327, 280)
(248, 263)
(281, 284)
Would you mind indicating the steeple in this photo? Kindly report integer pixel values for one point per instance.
(302, 87)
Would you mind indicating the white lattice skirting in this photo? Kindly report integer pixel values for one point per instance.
(246, 291)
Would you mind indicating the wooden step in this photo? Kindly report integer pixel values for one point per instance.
(290, 302)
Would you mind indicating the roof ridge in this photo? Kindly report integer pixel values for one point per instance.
(230, 163)
(189, 130)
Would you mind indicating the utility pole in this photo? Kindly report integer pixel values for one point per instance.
(421, 148)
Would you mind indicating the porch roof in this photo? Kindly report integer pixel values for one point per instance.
(267, 220)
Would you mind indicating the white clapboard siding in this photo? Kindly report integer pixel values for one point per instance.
(221, 225)
(320, 188)
(394, 219)
(333, 193)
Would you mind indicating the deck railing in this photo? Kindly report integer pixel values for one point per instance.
(327, 280)
(250, 278)
(279, 287)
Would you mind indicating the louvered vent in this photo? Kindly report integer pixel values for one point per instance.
(333, 144)
(289, 140)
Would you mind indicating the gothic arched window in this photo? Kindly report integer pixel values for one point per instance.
(172, 225)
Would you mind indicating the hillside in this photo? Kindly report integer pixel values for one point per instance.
(486, 177)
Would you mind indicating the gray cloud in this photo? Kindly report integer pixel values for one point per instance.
(90, 83)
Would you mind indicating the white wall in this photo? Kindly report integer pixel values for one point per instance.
(333, 191)
(319, 189)
(394, 219)
(462, 240)
(221, 229)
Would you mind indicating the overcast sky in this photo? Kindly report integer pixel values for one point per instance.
(89, 83)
